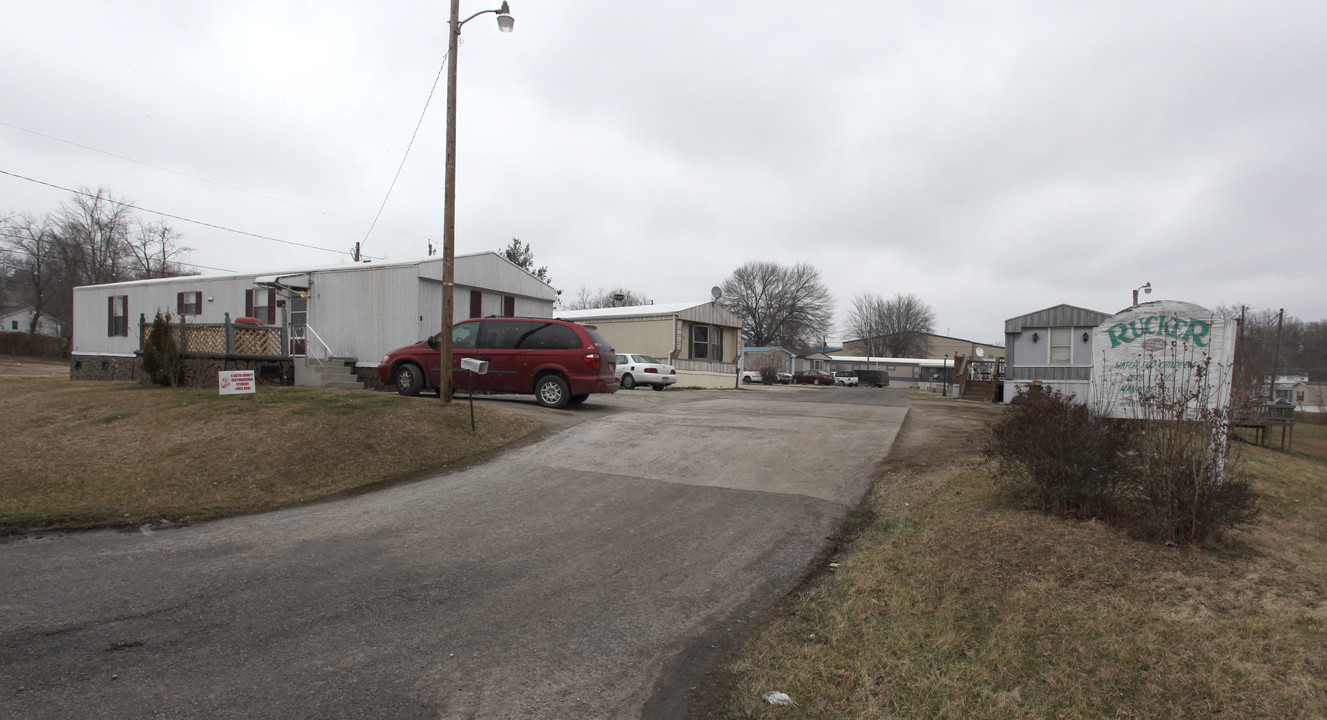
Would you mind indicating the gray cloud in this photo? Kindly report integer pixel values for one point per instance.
(993, 159)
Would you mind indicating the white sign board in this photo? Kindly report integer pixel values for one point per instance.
(233, 382)
(1170, 347)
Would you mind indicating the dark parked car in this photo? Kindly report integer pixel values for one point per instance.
(873, 378)
(559, 362)
(813, 377)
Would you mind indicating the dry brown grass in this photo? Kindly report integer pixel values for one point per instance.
(96, 454)
(964, 604)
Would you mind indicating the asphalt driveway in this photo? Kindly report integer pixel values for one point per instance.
(584, 575)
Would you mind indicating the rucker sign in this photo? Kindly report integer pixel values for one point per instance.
(1167, 346)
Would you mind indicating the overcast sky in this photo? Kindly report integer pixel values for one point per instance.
(992, 158)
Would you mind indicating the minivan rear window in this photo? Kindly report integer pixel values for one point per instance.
(599, 339)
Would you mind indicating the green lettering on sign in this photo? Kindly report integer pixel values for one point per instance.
(1193, 329)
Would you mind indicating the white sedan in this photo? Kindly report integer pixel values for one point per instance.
(635, 369)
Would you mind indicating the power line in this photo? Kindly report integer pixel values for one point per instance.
(409, 145)
(20, 250)
(181, 218)
(210, 182)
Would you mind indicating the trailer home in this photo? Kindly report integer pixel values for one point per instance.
(345, 315)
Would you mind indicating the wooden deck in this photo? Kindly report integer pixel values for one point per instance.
(1262, 417)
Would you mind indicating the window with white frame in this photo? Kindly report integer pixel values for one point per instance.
(189, 303)
(1061, 345)
(261, 303)
(117, 316)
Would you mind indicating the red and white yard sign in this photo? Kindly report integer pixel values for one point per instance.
(233, 382)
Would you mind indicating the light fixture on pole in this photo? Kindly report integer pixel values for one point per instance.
(1147, 289)
(505, 24)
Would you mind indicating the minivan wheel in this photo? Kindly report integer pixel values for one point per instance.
(628, 382)
(409, 380)
(578, 399)
(552, 392)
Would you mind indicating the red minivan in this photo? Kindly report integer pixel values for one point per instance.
(559, 362)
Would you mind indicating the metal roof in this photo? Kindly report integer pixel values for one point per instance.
(1057, 316)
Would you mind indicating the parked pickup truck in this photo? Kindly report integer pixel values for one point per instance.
(845, 378)
(873, 378)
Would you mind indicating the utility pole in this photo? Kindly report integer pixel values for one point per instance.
(1276, 356)
(449, 213)
(1242, 371)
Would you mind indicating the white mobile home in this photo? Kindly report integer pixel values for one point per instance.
(357, 312)
(19, 319)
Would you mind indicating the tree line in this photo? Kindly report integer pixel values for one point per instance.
(1272, 343)
(782, 305)
(92, 238)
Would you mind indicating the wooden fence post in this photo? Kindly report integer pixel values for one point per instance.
(230, 336)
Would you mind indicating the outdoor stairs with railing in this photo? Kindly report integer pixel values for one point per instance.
(979, 390)
(336, 372)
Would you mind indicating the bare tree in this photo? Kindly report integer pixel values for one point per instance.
(154, 248)
(91, 239)
(32, 259)
(588, 300)
(779, 305)
(864, 322)
(93, 231)
(896, 327)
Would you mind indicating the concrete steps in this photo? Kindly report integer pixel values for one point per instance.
(335, 373)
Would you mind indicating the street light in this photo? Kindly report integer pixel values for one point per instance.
(505, 23)
(1147, 289)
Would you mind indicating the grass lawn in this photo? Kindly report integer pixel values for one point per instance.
(108, 454)
(956, 601)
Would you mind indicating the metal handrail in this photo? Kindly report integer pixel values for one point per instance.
(321, 361)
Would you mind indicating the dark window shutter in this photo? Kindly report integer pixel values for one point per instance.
(179, 304)
(248, 303)
(271, 306)
(110, 315)
(508, 306)
(476, 303)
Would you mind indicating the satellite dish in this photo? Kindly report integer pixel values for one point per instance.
(981, 353)
(716, 292)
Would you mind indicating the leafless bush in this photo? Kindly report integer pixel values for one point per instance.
(1168, 473)
(768, 364)
(1072, 454)
(1186, 484)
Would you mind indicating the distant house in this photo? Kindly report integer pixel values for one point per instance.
(1310, 396)
(903, 372)
(701, 339)
(354, 312)
(1053, 346)
(19, 319)
(936, 346)
(785, 359)
(1285, 386)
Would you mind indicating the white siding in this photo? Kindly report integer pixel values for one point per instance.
(360, 311)
(147, 297)
(365, 312)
